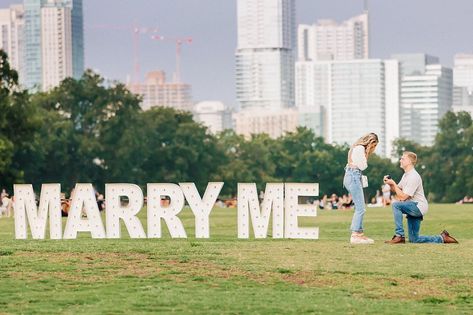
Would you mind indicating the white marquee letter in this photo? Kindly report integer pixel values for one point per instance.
(156, 212)
(294, 210)
(115, 211)
(248, 203)
(84, 199)
(25, 207)
(201, 207)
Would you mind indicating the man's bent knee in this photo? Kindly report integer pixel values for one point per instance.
(397, 205)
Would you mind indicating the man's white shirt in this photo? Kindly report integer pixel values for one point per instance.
(411, 185)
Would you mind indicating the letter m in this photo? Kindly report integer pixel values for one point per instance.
(249, 207)
(26, 210)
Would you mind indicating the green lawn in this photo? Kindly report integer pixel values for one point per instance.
(225, 275)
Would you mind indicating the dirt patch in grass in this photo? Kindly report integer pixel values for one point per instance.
(375, 286)
(96, 267)
(83, 267)
(106, 266)
(310, 279)
(207, 270)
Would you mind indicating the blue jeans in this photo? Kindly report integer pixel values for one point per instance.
(352, 182)
(414, 218)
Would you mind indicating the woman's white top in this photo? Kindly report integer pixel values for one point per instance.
(358, 157)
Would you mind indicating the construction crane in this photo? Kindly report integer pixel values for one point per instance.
(178, 42)
(136, 31)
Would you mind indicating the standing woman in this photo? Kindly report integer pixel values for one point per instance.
(357, 162)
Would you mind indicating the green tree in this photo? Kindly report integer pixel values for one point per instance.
(162, 145)
(300, 156)
(402, 144)
(234, 168)
(18, 122)
(8, 76)
(76, 115)
(450, 167)
(445, 167)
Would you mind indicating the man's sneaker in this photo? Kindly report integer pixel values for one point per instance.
(360, 239)
(447, 239)
(397, 240)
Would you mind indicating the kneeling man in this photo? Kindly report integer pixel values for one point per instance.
(412, 203)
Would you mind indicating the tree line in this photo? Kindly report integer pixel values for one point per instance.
(87, 131)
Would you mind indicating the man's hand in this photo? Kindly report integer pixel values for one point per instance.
(389, 181)
(400, 195)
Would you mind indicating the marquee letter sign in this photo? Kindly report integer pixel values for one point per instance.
(25, 209)
(164, 203)
(116, 210)
(84, 215)
(249, 207)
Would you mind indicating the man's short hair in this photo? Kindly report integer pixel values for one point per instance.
(412, 156)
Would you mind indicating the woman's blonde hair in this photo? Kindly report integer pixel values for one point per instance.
(370, 138)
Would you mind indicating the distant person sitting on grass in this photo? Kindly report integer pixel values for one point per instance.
(5, 205)
(346, 202)
(412, 203)
(334, 202)
(465, 200)
(386, 189)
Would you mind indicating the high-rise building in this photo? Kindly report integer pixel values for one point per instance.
(463, 71)
(415, 64)
(426, 95)
(312, 84)
(358, 103)
(32, 37)
(312, 94)
(314, 120)
(157, 92)
(462, 100)
(392, 101)
(265, 53)
(323, 42)
(353, 97)
(463, 83)
(329, 40)
(77, 29)
(275, 123)
(214, 115)
(54, 42)
(11, 36)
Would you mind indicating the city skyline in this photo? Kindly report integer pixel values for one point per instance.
(208, 63)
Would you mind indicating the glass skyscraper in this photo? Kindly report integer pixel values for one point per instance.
(353, 97)
(34, 33)
(463, 83)
(11, 36)
(32, 42)
(329, 40)
(426, 95)
(357, 101)
(265, 53)
(77, 39)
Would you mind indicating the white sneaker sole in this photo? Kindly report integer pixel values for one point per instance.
(364, 242)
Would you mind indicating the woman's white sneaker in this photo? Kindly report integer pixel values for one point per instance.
(360, 239)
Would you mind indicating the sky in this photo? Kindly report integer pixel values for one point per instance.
(439, 27)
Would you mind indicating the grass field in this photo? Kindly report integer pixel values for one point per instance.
(225, 275)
